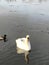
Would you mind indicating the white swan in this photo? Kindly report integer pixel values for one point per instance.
(23, 46)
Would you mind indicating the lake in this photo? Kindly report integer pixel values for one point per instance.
(19, 18)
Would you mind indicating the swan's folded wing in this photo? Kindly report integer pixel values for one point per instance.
(21, 44)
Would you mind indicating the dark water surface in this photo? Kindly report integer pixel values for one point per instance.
(19, 18)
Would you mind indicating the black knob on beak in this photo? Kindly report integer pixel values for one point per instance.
(29, 50)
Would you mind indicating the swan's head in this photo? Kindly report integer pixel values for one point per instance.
(27, 37)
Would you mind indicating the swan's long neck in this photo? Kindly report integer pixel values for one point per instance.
(26, 42)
